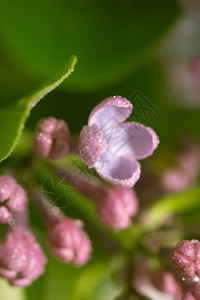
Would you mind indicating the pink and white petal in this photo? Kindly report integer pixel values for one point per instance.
(110, 113)
(133, 140)
(121, 171)
(92, 144)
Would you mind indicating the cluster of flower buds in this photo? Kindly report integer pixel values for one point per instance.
(112, 148)
(185, 261)
(21, 259)
(106, 144)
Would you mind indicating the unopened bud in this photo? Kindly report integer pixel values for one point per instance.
(21, 259)
(117, 206)
(69, 242)
(51, 139)
(12, 198)
(185, 259)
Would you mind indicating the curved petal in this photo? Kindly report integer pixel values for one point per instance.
(120, 171)
(21, 282)
(92, 144)
(132, 140)
(110, 113)
(8, 274)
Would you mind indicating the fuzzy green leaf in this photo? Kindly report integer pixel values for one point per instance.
(12, 119)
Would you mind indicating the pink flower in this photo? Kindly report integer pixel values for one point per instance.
(51, 139)
(166, 283)
(69, 243)
(113, 148)
(116, 207)
(21, 259)
(12, 198)
(185, 259)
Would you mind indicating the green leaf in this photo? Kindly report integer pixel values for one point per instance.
(12, 120)
(163, 209)
(66, 282)
(111, 39)
(96, 282)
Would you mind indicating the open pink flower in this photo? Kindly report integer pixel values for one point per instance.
(113, 148)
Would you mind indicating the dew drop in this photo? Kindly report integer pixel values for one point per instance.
(196, 279)
(11, 222)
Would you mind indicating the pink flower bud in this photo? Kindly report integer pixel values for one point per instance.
(51, 139)
(185, 173)
(12, 198)
(189, 296)
(117, 206)
(185, 259)
(193, 294)
(166, 283)
(21, 259)
(69, 243)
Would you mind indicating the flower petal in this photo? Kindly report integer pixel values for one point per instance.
(132, 140)
(21, 282)
(91, 145)
(110, 113)
(120, 171)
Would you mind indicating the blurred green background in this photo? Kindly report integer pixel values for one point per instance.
(118, 48)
